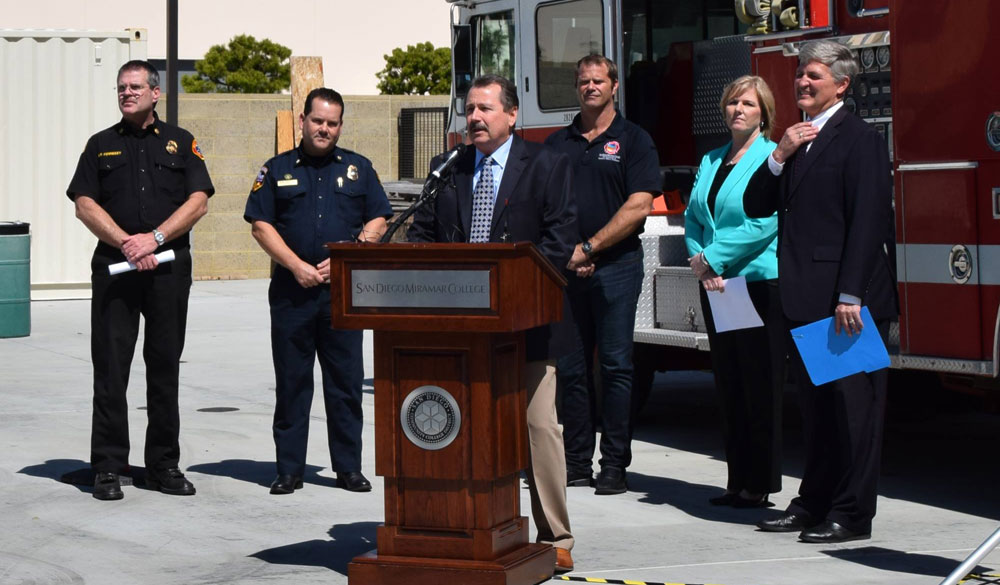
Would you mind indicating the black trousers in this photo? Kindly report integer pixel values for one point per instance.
(749, 368)
(301, 333)
(842, 425)
(161, 297)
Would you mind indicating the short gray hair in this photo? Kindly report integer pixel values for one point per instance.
(152, 75)
(834, 55)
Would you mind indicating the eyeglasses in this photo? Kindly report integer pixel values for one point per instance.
(133, 87)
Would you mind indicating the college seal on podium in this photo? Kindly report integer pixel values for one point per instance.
(430, 417)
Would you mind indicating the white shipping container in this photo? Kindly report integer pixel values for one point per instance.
(57, 87)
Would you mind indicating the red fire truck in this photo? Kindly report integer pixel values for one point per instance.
(929, 82)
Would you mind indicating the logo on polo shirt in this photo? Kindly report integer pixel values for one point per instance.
(611, 151)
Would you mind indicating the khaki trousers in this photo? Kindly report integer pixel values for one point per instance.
(547, 473)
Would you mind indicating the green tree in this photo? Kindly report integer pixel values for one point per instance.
(420, 69)
(246, 65)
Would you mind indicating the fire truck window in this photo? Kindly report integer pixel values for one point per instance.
(495, 44)
(462, 63)
(566, 31)
(658, 45)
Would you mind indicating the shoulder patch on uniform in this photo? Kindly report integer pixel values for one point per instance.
(259, 181)
(196, 149)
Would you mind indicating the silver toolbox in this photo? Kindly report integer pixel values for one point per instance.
(677, 303)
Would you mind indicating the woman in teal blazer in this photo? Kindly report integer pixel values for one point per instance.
(723, 242)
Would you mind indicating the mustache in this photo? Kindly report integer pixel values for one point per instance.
(477, 126)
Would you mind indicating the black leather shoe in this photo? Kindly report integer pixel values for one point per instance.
(286, 484)
(579, 479)
(829, 532)
(610, 480)
(107, 486)
(353, 481)
(787, 522)
(169, 481)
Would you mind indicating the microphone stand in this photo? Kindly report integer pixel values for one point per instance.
(430, 190)
(965, 569)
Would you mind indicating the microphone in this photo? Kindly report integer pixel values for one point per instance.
(435, 180)
(446, 165)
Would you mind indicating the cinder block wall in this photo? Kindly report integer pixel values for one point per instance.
(236, 132)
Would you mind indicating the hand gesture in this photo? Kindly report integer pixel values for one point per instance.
(795, 136)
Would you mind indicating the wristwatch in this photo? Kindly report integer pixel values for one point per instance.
(159, 237)
(587, 248)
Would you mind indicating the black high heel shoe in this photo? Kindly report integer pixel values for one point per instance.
(761, 502)
(725, 499)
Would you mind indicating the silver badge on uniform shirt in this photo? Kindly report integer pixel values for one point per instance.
(352, 173)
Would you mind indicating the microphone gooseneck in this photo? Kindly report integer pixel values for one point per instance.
(435, 180)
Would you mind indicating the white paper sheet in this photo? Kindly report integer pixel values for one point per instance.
(733, 309)
(164, 256)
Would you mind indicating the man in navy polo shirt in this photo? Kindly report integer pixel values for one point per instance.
(616, 175)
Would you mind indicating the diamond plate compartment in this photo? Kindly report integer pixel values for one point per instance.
(677, 303)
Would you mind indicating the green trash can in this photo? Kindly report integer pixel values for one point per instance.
(15, 279)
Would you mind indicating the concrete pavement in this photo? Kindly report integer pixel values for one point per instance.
(937, 501)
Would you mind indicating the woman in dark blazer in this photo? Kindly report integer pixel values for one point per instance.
(723, 243)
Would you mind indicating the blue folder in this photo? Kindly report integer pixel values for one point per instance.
(830, 357)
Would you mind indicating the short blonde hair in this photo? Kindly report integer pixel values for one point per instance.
(764, 97)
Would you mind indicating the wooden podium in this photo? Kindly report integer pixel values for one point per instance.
(450, 433)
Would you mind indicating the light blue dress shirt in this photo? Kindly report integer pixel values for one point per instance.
(499, 164)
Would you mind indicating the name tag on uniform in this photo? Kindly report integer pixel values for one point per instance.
(288, 182)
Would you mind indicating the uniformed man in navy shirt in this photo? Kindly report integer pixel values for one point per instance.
(616, 175)
(302, 199)
(139, 186)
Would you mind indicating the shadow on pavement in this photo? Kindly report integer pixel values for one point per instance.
(261, 473)
(346, 542)
(690, 498)
(79, 473)
(887, 559)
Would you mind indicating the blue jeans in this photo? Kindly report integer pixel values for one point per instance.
(603, 308)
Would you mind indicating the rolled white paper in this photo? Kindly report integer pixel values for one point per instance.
(164, 256)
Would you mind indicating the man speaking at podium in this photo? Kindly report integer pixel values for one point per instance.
(504, 190)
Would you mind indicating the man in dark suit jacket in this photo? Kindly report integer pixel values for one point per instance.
(510, 190)
(830, 181)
